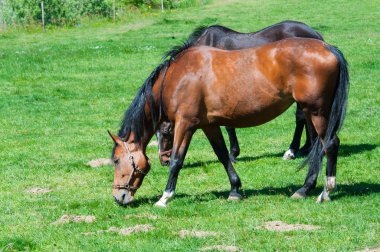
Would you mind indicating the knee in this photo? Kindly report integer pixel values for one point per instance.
(333, 145)
(175, 165)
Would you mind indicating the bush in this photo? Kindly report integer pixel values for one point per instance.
(57, 12)
(69, 12)
(169, 4)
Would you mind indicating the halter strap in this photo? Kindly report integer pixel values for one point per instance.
(130, 157)
(127, 186)
(168, 152)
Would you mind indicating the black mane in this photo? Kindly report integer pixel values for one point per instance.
(134, 117)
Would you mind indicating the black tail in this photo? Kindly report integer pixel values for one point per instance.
(337, 114)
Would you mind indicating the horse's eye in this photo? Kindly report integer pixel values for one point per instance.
(116, 161)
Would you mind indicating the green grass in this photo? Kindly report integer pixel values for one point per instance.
(60, 91)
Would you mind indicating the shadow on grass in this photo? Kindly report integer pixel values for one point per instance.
(342, 191)
(348, 150)
(344, 151)
(239, 159)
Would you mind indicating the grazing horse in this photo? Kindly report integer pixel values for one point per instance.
(224, 38)
(205, 88)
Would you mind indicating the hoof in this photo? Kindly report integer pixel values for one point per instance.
(323, 198)
(289, 155)
(160, 204)
(298, 195)
(234, 197)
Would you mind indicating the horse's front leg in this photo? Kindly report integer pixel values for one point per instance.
(182, 137)
(214, 135)
(234, 144)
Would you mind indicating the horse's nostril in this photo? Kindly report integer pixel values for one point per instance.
(119, 202)
(123, 197)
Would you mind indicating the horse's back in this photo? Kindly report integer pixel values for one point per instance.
(228, 39)
(288, 29)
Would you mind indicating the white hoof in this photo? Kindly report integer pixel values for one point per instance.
(160, 204)
(323, 197)
(166, 197)
(289, 155)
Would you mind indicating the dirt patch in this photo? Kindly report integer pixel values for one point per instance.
(38, 190)
(153, 143)
(100, 162)
(124, 231)
(199, 234)
(377, 249)
(74, 218)
(141, 216)
(282, 226)
(221, 248)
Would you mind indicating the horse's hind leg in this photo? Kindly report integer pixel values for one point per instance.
(294, 147)
(305, 149)
(234, 144)
(331, 150)
(295, 144)
(214, 135)
(312, 175)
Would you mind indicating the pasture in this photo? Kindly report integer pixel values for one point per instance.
(60, 92)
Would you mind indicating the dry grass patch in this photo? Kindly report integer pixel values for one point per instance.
(282, 226)
(38, 190)
(221, 248)
(153, 143)
(99, 162)
(74, 218)
(377, 249)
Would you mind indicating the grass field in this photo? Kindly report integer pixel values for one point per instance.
(60, 91)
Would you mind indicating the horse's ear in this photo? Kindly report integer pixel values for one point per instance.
(115, 138)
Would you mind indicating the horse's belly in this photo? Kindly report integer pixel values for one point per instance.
(248, 114)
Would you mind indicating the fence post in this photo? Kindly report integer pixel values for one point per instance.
(43, 16)
(162, 6)
(2, 21)
(114, 10)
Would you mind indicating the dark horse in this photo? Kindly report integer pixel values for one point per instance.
(205, 88)
(227, 39)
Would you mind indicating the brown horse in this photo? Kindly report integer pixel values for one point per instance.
(224, 38)
(204, 88)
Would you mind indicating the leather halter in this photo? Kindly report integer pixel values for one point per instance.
(136, 169)
(168, 152)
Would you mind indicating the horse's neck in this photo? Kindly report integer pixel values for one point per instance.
(147, 136)
(150, 126)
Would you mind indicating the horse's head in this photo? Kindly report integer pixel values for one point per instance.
(131, 166)
(165, 142)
